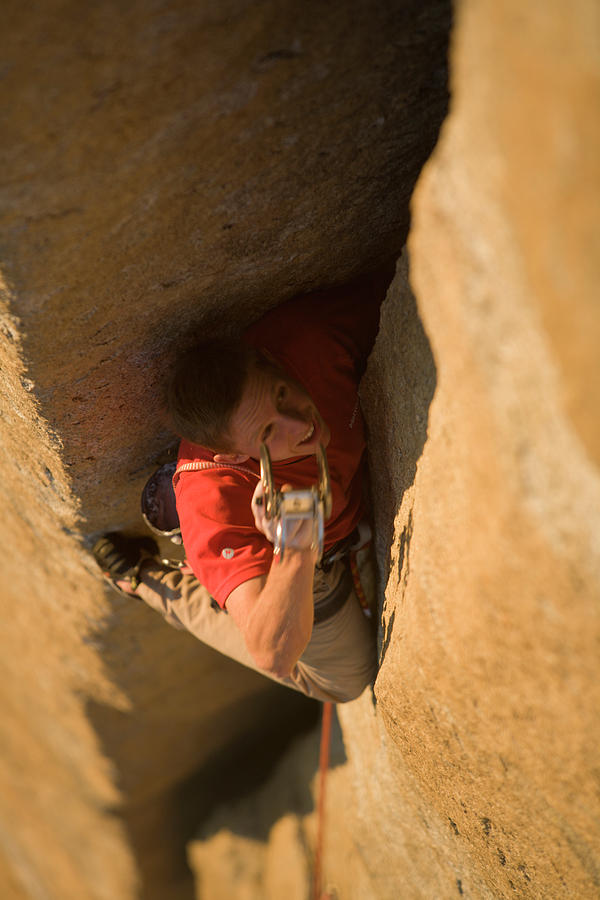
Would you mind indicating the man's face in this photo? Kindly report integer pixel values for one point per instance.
(277, 410)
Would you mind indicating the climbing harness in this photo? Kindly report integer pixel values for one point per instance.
(287, 508)
(353, 560)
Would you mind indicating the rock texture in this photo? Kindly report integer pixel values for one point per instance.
(173, 165)
(179, 165)
(489, 688)
(166, 166)
(472, 771)
(261, 850)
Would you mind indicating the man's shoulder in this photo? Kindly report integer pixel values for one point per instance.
(194, 460)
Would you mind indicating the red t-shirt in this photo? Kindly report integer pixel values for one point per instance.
(322, 340)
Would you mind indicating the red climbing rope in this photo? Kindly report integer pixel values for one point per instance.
(318, 893)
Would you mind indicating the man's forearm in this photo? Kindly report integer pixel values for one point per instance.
(281, 622)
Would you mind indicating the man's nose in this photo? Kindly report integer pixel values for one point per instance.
(288, 409)
(294, 422)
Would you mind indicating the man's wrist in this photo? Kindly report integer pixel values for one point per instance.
(296, 557)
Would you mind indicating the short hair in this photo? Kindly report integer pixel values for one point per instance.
(205, 389)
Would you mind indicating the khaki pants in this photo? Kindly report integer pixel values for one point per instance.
(338, 663)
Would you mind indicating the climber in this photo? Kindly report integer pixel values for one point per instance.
(292, 382)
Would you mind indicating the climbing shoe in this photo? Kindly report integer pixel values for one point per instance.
(120, 558)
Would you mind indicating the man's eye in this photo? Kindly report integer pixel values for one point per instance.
(267, 432)
(281, 393)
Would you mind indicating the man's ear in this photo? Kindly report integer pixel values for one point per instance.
(235, 458)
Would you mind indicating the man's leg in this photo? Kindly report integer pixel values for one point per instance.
(339, 660)
(184, 603)
(338, 663)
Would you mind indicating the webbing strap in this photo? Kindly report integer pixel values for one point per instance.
(362, 597)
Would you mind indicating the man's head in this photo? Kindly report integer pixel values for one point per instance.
(229, 398)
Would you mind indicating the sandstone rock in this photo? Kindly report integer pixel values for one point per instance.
(262, 847)
(167, 166)
(488, 685)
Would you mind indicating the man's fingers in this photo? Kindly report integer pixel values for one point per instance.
(263, 524)
(258, 495)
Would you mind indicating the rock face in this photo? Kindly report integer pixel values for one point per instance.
(489, 688)
(166, 167)
(186, 165)
(473, 769)
(174, 165)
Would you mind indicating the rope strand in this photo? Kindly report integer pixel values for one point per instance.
(317, 893)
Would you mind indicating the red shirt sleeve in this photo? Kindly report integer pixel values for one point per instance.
(223, 546)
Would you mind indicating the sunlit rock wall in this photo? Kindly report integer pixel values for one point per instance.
(489, 685)
(166, 167)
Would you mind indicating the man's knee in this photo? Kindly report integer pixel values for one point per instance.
(338, 679)
(354, 686)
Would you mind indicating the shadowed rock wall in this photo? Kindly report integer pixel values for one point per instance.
(166, 166)
(473, 769)
(183, 164)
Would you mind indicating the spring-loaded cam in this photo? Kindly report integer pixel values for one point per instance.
(287, 508)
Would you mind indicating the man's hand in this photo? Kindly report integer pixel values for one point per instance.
(300, 532)
(275, 614)
(264, 525)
